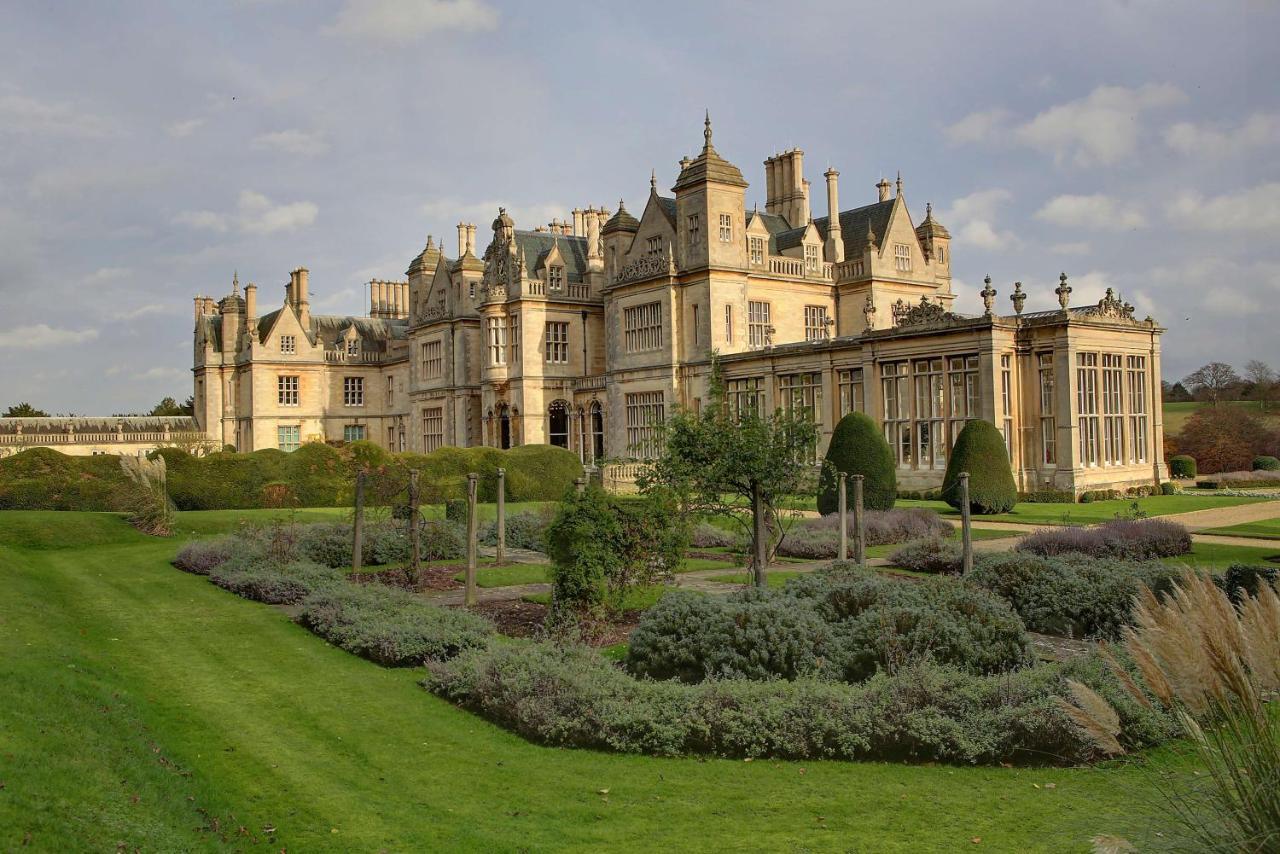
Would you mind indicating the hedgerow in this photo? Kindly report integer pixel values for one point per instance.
(45, 479)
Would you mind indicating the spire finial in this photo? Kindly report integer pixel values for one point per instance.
(621, 204)
(928, 210)
(235, 282)
(653, 180)
(899, 182)
(706, 129)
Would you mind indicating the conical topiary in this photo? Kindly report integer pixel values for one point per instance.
(858, 447)
(980, 450)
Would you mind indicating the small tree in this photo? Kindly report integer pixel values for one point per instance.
(1178, 393)
(24, 410)
(858, 447)
(1264, 382)
(980, 451)
(1213, 381)
(736, 462)
(1226, 439)
(167, 407)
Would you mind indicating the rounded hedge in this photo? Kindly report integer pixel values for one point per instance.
(1182, 466)
(858, 447)
(1266, 463)
(980, 451)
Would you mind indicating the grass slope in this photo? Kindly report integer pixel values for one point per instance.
(142, 705)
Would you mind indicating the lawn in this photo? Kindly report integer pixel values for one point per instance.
(1218, 557)
(146, 708)
(510, 575)
(1266, 529)
(1094, 511)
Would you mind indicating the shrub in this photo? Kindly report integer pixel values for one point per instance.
(1266, 463)
(819, 539)
(1241, 580)
(933, 554)
(837, 624)
(455, 510)
(858, 447)
(202, 556)
(980, 451)
(1120, 539)
(390, 626)
(275, 583)
(573, 697)
(1168, 488)
(1069, 595)
(442, 540)
(1047, 496)
(708, 536)
(45, 479)
(1182, 466)
(525, 530)
(1226, 438)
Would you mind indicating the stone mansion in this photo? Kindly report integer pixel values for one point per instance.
(585, 333)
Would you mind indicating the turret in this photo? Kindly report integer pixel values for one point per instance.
(709, 209)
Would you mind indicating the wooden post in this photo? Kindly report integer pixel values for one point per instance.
(859, 523)
(844, 517)
(500, 556)
(966, 532)
(469, 597)
(759, 534)
(415, 530)
(357, 536)
(580, 484)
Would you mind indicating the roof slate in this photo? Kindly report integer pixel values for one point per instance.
(537, 246)
(853, 228)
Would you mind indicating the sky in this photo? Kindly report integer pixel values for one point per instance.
(150, 150)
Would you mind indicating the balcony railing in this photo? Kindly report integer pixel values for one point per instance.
(111, 437)
(589, 383)
(363, 357)
(796, 267)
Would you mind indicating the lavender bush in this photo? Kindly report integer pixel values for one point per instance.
(819, 539)
(1120, 539)
(203, 556)
(933, 554)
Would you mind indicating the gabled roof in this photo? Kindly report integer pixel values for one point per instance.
(774, 224)
(668, 208)
(621, 221)
(537, 246)
(853, 228)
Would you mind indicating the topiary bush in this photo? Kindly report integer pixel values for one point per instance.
(390, 626)
(1182, 466)
(932, 554)
(980, 451)
(1119, 539)
(858, 447)
(1266, 463)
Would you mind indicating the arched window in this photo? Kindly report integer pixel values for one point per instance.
(558, 426)
(504, 427)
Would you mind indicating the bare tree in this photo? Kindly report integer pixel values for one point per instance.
(1213, 381)
(1264, 381)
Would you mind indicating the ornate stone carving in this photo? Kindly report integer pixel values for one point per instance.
(869, 313)
(647, 267)
(988, 296)
(1112, 306)
(922, 314)
(1018, 297)
(1063, 291)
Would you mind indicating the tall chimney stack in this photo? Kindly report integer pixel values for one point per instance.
(471, 238)
(251, 308)
(882, 190)
(462, 239)
(835, 240)
(304, 301)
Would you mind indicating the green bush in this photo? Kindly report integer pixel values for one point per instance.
(1070, 595)
(1168, 488)
(1047, 496)
(1182, 466)
(1242, 580)
(858, 447)
(1266, 463)
(840, 623)
(980, 451)
(275, 583)
(45, 479)
(390, 626)
(526, 530)
(931, 554)
(573, 697)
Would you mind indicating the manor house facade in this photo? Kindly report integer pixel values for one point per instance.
(585, 333)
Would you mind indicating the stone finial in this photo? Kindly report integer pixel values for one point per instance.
(1018, 297)
(235, 283)
(899, 183)
(1063, 291)
(988, 296)
(653, 180)
(871, 236)
(706, 129)
(869, 312)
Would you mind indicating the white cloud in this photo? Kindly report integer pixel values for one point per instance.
(1099, 212)
(1254, 209)
(103, 275)
(981, 126)
(971, 219)
(149, 310)
(22, 114)
(42, 336)
(1101, 128)
(184, 129)
(1080, 248)
(1259, 130)
(292, 142)
(72, 182)
(405, 21)
(255, 214)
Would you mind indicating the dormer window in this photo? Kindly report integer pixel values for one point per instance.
(757, 250)
(555, 278)
(353, 346)
(654, 246)
(726, 228)
(902, 257)
(288, 344)
(810, 258)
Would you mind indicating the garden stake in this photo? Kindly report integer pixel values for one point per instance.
(844, 521)
(470, 596)
(501, 555)
(859, 524)
(966, 533)
(415, 544)
(357, 536)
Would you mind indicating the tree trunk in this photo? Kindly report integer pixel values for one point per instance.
(415, 531)
(759, 534)
(357, 535)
